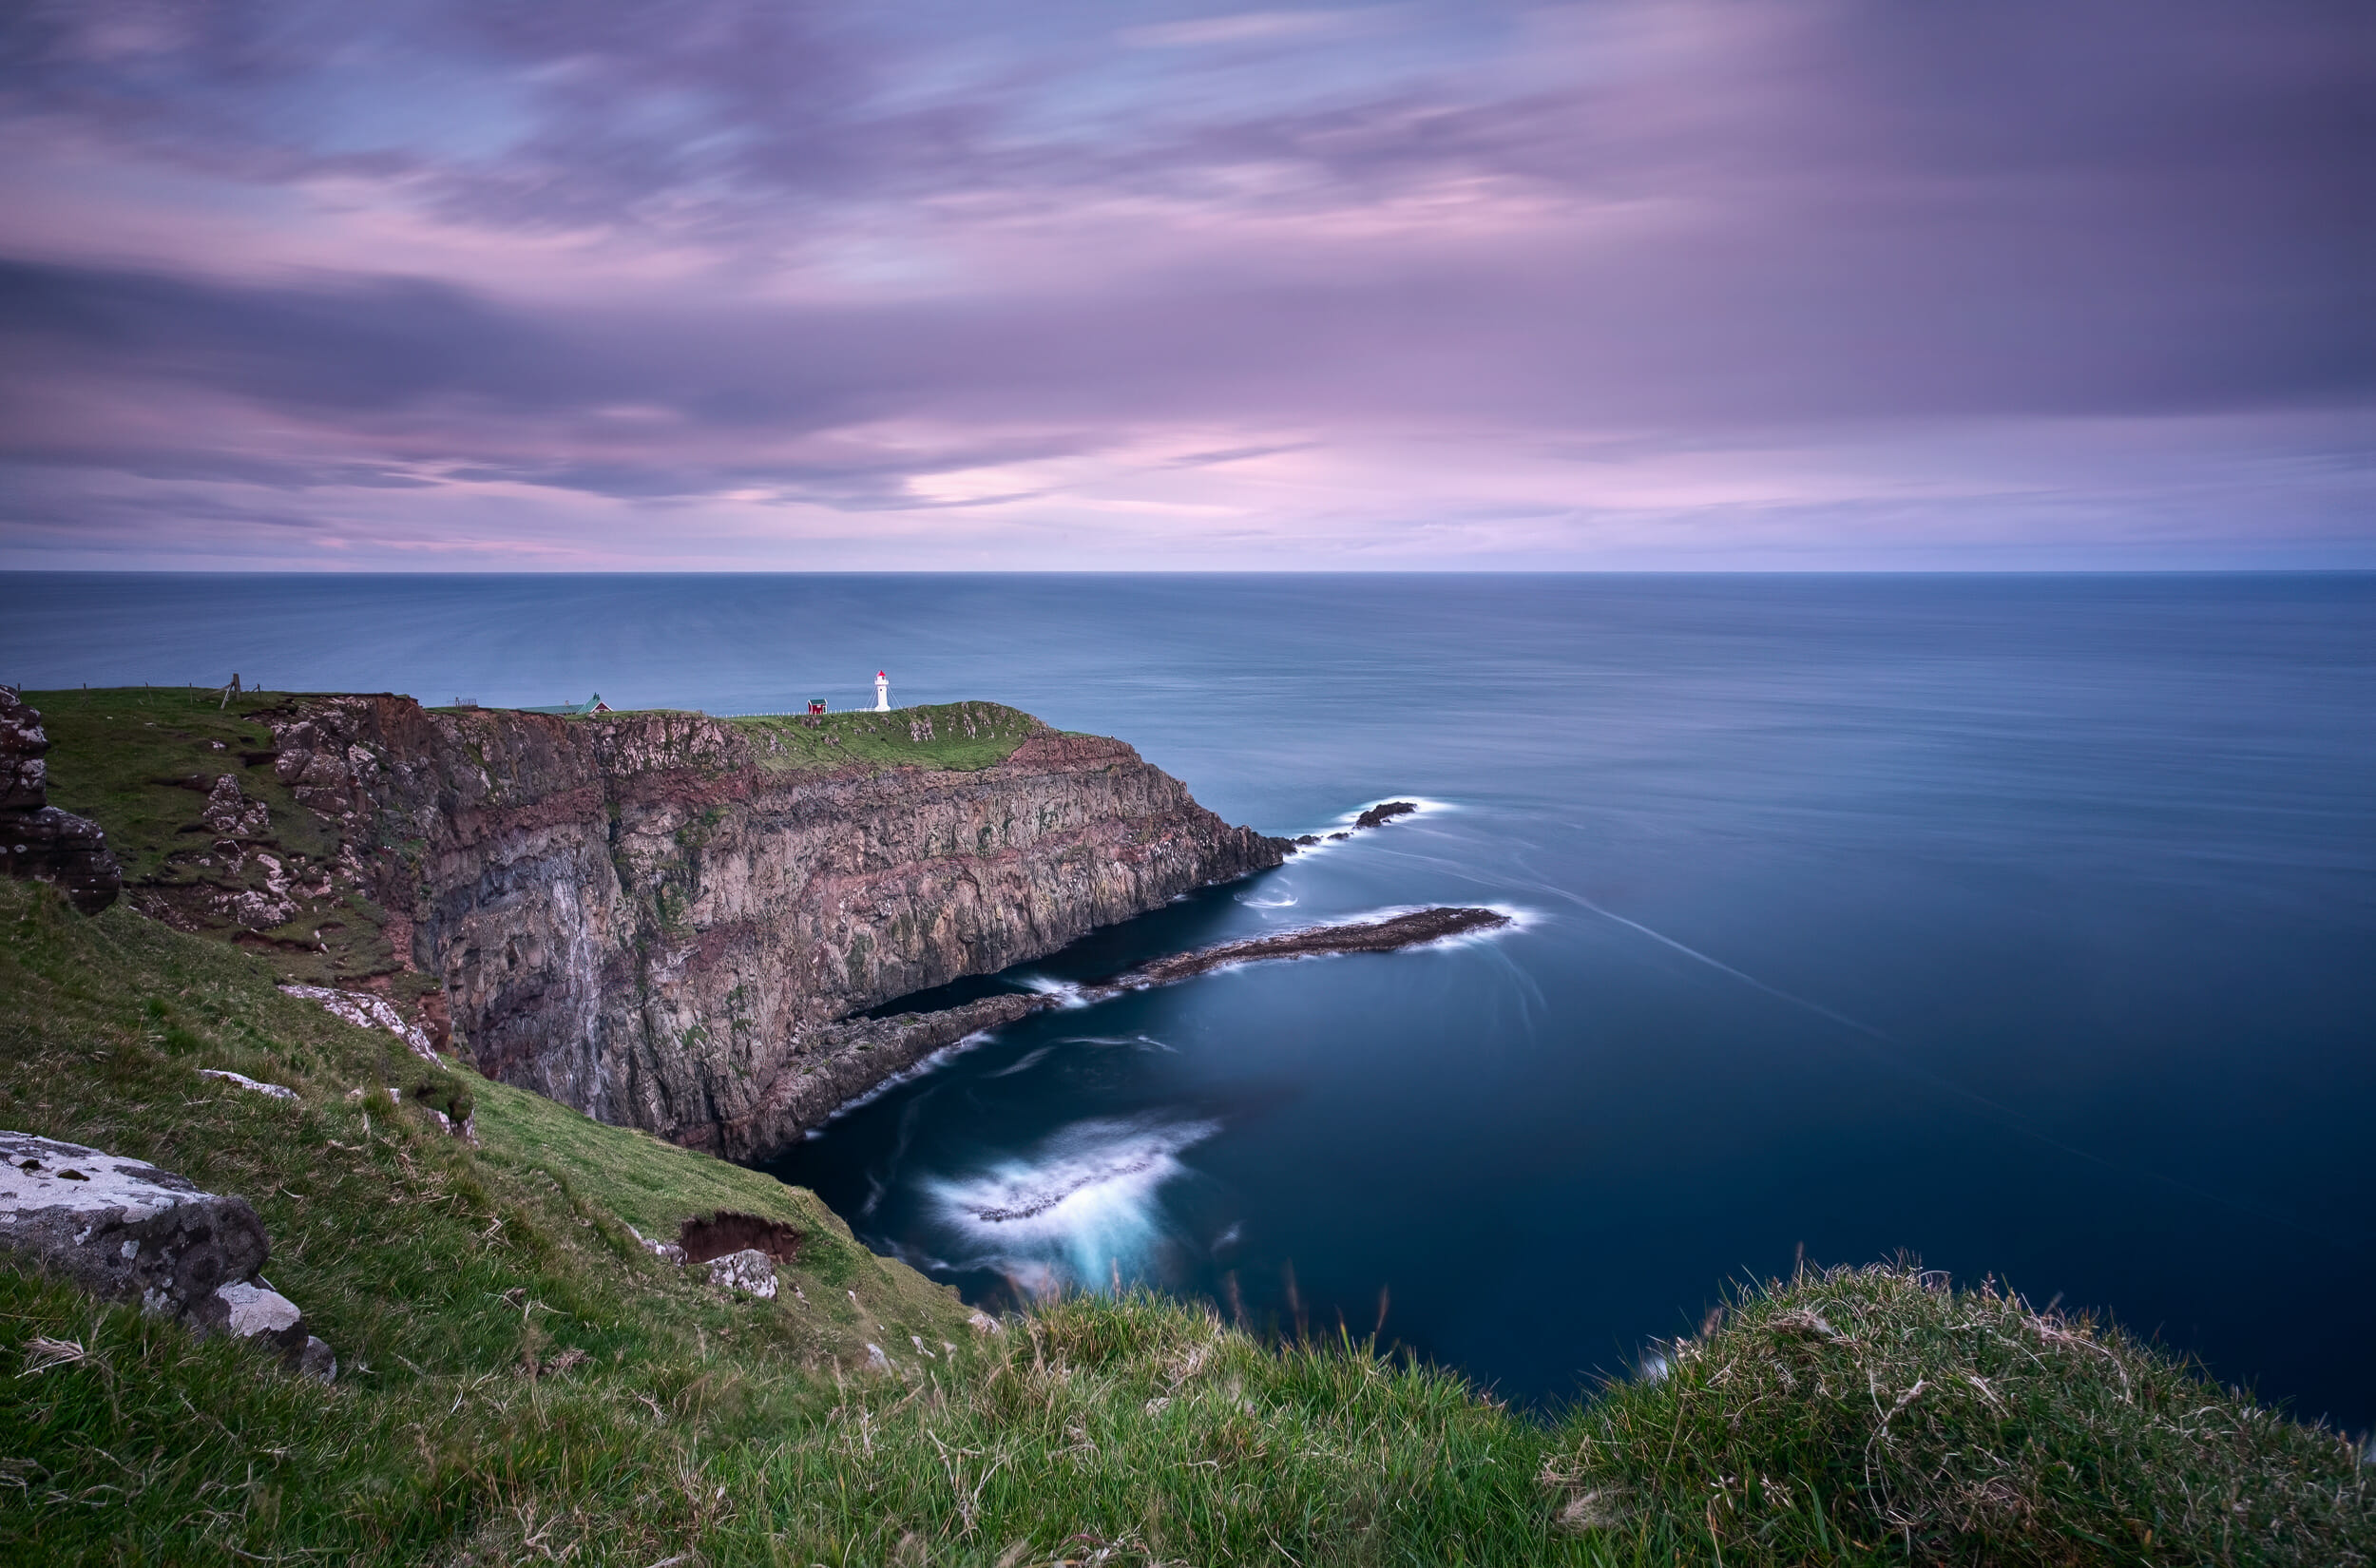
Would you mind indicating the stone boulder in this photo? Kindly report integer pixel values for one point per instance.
(751, 1271)
(36, 839)
(125, 1230)
(231, 814)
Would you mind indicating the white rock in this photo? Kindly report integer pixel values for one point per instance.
(124, 1230)
(366, 1010)
(750, 1271)
(667, 1251)
(256, 1309)
(276, 1090)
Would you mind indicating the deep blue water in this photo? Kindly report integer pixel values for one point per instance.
(2026, 924)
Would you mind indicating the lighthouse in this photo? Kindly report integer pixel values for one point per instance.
(882, 691)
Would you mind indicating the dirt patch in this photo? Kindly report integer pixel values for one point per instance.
(728, 1232)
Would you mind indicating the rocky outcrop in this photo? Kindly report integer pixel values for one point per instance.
(750, 1271)
(367, 1011)
(270, 1091)
(37, 839)
(837, 1063)
(124, 1230)
(1412, 928)
(659, 920)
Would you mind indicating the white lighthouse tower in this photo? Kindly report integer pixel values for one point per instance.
(882, 691)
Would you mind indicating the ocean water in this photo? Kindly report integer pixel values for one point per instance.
(2026, 924)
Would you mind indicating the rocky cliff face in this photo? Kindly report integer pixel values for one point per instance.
(36, 838)
(660, 918)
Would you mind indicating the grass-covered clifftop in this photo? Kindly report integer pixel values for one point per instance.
(964, 736)
(524, 1383)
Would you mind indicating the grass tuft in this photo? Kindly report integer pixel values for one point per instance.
(1878, 1415)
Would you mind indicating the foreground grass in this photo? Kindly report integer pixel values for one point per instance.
(1876, 1415)
(524, 1383)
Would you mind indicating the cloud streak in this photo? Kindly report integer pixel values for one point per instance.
(723, 284)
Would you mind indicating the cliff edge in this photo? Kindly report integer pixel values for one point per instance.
(660, 918)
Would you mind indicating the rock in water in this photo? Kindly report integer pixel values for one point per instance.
(37, 839)
(125, 1230)
(1391, 934)
(1384, 812)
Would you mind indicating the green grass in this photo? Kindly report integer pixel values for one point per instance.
(127, 757)
(139, 761)
(963, 735)
(664, 1418)
(1874, 1415)
(433, 1270)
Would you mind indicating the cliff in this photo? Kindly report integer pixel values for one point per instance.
(660, 918)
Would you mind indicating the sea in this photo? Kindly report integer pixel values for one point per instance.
(2023, 925)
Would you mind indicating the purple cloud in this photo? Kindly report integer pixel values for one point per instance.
(720, 283)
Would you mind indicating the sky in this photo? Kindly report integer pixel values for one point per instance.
(635, 285)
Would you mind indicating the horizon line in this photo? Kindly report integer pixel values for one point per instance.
(1215, 571)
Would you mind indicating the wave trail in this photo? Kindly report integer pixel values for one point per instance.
(1081, 1209)
(1895, 1056)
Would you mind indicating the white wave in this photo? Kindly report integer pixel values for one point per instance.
(1423, 805)
(908, 1074)
(1342, 825)
(1067, 994)
(1143, 1043)
(1081, 1209)
(1023, 1064)
(1520, 917)
(1252, 902)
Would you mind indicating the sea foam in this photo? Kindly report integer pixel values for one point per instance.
(1081, 1209)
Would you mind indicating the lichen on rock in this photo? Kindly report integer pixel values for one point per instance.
(123, 1229)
